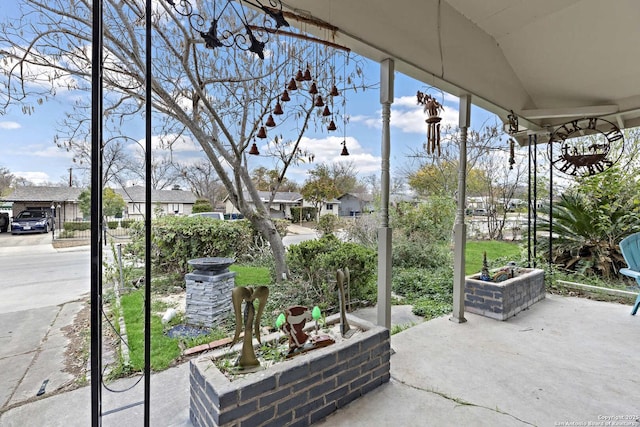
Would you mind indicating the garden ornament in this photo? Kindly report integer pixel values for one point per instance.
(484, 274)
(248, 295)
(299, 342)
(340, 278)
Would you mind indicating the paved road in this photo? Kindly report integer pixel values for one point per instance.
(41, 291)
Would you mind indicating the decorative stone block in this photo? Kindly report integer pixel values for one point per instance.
(208, 298)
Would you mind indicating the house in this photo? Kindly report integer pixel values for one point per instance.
(165, 202)
(280, 207)
(327, 207)
(355, 204)
(63, 201)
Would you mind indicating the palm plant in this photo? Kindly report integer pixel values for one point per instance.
(587, 229)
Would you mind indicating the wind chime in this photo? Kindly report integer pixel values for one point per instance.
(432, 107)
(297, 83)
(512, 153)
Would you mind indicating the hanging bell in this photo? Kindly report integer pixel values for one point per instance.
(334, 91)
(299, 76)
(285, 96)
(344, 152)
(313, 89)
(319, 102)
(262, 133)
(254, 150)
(292, 84)
(278, 109)
(326, 112)
(332, 126)
(307, 75)
(270, 122)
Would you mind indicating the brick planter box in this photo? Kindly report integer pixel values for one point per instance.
(504, 299)
(299, 391)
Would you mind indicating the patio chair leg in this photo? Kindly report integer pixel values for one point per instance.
(635, 306)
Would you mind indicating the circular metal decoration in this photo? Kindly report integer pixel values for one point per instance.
(585, 147)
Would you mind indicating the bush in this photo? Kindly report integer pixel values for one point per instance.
(112, 225)
(429, 290)
(420, 254)
(71, 226)
(175, 240)
(307, 211)
(126, 223)
(328, 224)
(316, 261)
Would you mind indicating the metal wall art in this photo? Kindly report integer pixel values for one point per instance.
(249, 40)
(586, 146)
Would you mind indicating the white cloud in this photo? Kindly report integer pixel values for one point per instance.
(327, 150)
(35, 177)
(10, 125)
(49, 152)
(407, 116)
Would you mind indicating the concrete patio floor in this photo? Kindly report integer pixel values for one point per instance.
(564, 361)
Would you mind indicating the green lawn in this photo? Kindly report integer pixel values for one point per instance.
(248, 275)
(495, 249)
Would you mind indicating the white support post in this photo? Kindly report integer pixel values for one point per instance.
(384, 232)
(460, 228)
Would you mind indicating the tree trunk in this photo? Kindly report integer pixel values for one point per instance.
(268, 230)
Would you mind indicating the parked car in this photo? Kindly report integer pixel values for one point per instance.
(214, 215)
(32, 221)
(4, 222)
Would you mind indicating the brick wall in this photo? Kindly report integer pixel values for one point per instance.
(297, 392)
(504, 299)
(208, 298)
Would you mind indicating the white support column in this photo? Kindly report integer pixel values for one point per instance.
(460, 228)
(384, 232)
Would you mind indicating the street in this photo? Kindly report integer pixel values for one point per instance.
(41, 291)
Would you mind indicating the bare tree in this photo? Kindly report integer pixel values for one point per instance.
(441, 171)
(203, 182)
(218, 98)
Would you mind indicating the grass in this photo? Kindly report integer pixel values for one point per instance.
(495, 249)
(249, 275)
(165, 350)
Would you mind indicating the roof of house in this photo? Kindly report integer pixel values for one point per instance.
(137, 194)
(363, 197)
(71, 194)
(280, 197)
(44, 194)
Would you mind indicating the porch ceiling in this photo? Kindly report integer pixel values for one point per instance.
(547, 60)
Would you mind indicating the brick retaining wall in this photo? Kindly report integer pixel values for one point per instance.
(296, 392)
(504, 299)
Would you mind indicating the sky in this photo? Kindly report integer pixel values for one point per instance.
(28, 150)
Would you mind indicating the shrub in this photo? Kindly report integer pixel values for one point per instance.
(126, 223)
(328, 224)
(175, 240)
(77, 226)
(112, 225)
(297, 212)
(420, 254)
(430, 291)
(317, 261)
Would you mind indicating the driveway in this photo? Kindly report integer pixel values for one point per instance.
(41, 291)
